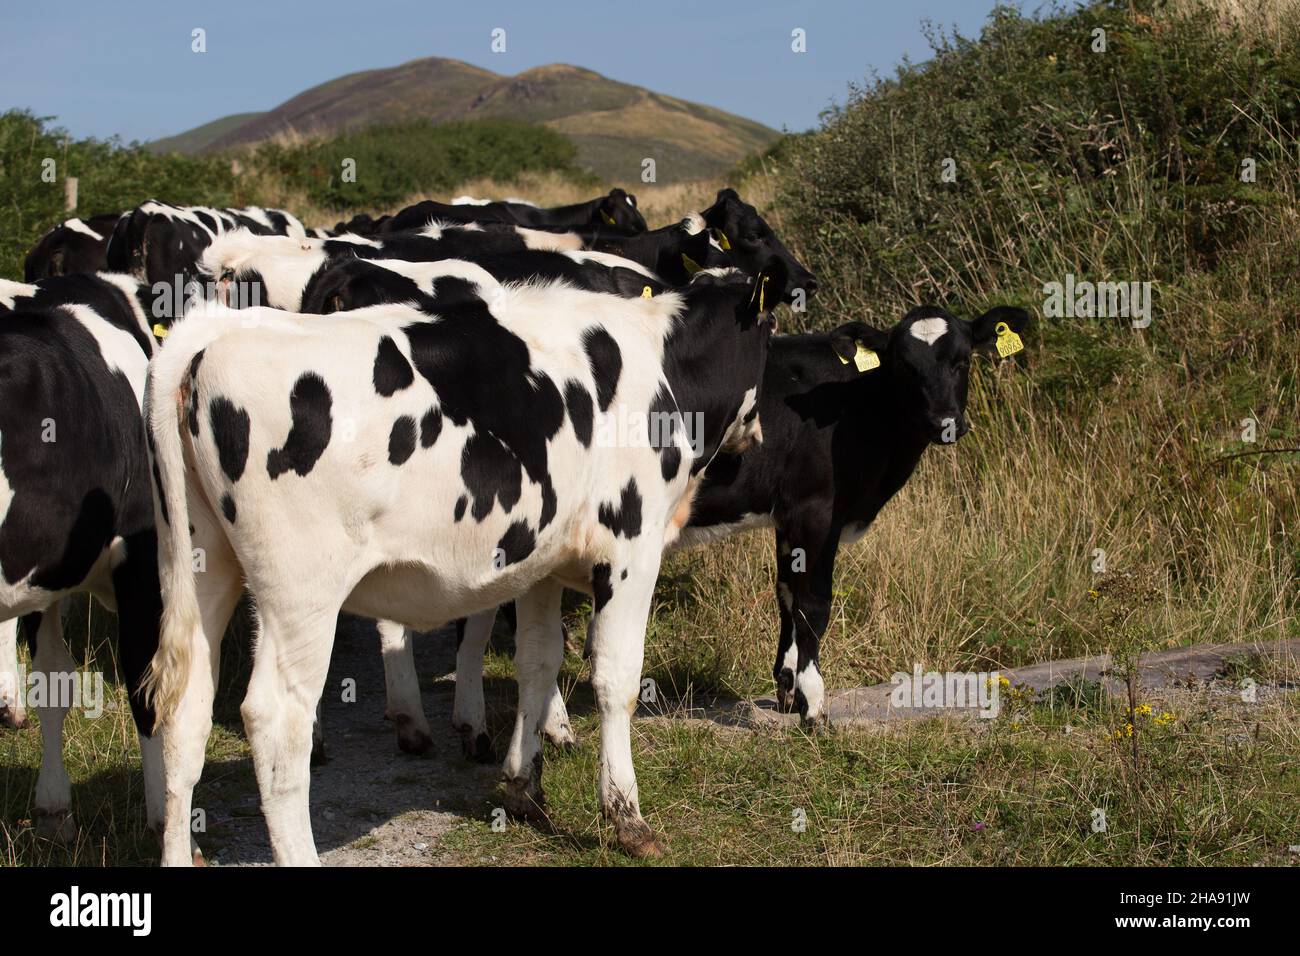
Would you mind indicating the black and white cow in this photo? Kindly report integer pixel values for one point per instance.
(751, 243)
(76, 512)
(520, 439)
(617, 210)
(74, 245)
(160, 243)
(840, 436)
(301, 277)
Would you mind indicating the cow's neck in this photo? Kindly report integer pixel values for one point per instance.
(710, 365)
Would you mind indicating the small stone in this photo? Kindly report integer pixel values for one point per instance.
(420, 846)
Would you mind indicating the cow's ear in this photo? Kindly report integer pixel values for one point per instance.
(984, 330)
(608, 206)
(697, 247)
(851, 337)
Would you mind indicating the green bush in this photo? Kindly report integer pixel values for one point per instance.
(1125, 162)
(393, 162)
(111, 177)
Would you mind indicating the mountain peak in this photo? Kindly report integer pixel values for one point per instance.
(612, 124)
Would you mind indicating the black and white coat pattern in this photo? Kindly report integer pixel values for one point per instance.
(76, 512)
(453, 461)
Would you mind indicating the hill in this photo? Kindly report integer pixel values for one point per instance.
(613, 125)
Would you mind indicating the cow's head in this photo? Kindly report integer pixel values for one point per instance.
(926, 360)
(619, 209)
(751, 243)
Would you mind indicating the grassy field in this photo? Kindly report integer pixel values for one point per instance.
(1101, 436)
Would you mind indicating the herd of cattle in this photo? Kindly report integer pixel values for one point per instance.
(417, 419)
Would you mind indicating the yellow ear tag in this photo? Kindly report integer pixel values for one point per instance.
(1008, 342)
(160, 331)
(762, 293)
(609, 220)
(865, 359)
(691, 265)
(647, 293)
(721, 236)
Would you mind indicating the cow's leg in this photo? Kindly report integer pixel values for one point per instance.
(289, 670)
(403, 685)
(811, 599)
(539, 651)
(787, 651)
(53, 665)
(616, 637)
(557, 728)
(13, 709)
(469, 712)
(217, 587)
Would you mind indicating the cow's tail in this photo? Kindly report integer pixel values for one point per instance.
(165, 680)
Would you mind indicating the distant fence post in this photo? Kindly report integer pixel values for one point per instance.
(70, 194)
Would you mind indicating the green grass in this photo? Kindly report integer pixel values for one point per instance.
(1020, 790)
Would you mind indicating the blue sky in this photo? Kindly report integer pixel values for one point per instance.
(126, 68)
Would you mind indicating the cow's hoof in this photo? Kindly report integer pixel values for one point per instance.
(411, 739)
(639, 841)
(13, 719)
(55, 825)
(477, 746)
(563, 738)
(785, 691)
(524, 800)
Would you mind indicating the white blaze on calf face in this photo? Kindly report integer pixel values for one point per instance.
(929, 331)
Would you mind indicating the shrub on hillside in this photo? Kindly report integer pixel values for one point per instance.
(394, 161)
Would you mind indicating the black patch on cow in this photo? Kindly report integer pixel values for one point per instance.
(491, 473)
(430, 427)
(482, 374)
(230, 434)
(228, 507)
(309, 404)
(625, 520)
(606, 363)
(601, 589)
(162, 501)
(663, 422)
(392, 370)
(193, 410)
(517, 543)
(461, 504)
(578, 401)
(401, 440)
(549, 505)
(623, 576)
